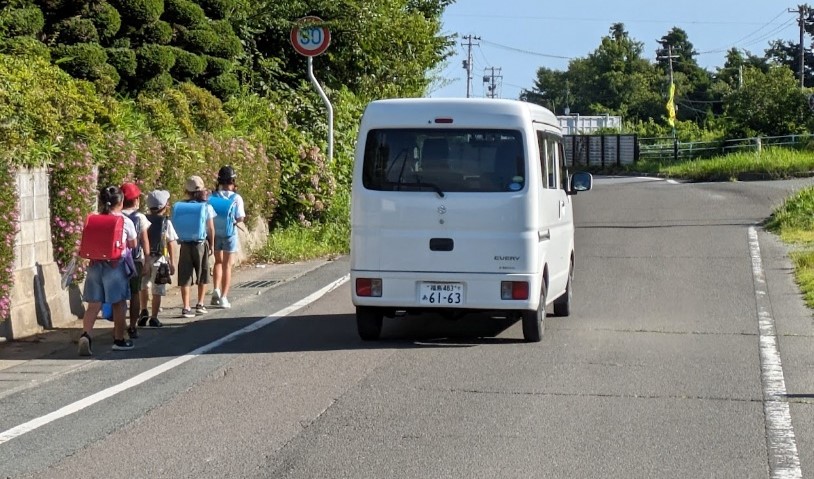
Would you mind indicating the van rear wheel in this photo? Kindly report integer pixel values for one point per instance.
(562, 305)
(534, 321)
(369, 323)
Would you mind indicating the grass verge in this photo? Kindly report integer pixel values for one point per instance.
(793, 221)
(772, 163)
(330, 237)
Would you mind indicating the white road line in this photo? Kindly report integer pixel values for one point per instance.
(77, 406)
(784, 461)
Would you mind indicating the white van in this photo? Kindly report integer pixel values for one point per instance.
(461, 205)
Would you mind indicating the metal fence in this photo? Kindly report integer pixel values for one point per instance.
(666, 149)
(601, 150)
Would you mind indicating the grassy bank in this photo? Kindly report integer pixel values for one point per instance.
(329, 237)
(771, 163)
(794, 223)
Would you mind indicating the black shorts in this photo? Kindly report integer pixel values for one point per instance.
(193, 264)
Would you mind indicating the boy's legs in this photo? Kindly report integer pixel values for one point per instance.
(135, 296)
(186, 268)
(185, 296)
(202, 272)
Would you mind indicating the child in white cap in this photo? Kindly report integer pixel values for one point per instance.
(160, 258)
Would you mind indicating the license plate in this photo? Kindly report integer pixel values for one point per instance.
(441, 294)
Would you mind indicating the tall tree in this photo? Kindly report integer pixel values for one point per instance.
(615, 78)
(550, 90)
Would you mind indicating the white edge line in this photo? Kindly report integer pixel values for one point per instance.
(784, 461)
(81, 404)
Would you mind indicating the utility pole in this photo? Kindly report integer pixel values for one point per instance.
(802, 11)
(490, 81)
(671, 101)
(468, 62)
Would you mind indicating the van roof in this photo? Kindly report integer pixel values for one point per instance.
(464, 112)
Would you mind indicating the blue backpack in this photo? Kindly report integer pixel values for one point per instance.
(226, 208)
(189, 220)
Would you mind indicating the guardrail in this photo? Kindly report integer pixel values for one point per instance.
(666, 149)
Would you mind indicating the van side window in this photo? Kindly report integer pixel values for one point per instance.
(541, 146)
(551, 164)
(564, 176)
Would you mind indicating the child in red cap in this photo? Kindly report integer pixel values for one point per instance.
(132, 201)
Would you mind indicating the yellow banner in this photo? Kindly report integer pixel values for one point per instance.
(671, 106)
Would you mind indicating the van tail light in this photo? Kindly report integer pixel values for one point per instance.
(370, 287)
(514, 290)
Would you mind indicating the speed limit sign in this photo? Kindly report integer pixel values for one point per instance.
(309, 38)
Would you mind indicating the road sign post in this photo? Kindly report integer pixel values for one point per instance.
(310, 38)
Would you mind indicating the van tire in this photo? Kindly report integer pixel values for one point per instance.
(534, 321)
(562, 305)
(369, 323)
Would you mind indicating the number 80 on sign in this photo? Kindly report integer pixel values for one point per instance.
(310, 39)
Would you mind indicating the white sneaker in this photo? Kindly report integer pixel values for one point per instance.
(224, 303)
(215, 298)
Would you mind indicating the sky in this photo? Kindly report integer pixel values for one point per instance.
(519, 36)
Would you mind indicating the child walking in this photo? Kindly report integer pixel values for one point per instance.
(107, 281)
(193, 219)
(228, 205)
(162, 235)
(132, 202)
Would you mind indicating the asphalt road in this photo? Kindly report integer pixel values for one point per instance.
(657, 373)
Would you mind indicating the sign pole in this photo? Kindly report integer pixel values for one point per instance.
(328, 106)
(310, 39)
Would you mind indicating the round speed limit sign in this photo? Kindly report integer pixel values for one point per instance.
(309, 38)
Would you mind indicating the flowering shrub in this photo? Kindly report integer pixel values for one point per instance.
(72, 198)
(8, 233)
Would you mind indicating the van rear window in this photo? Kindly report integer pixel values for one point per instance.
(449, 160)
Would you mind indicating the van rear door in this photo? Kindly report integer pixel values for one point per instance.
(444, 200)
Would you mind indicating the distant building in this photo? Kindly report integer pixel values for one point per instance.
(586, 125)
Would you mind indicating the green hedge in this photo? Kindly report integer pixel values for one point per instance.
(106, 18)
(155, 59)
(185, 13)
(158, 32)
(21, 21)
(139, 11)
(124, 59)
(187, 65)
(25, 47)
(76, 30)
(81, 60)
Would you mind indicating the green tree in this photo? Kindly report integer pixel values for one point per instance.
(770, 104)
(615, 79)
(379, 48)
(550, 90)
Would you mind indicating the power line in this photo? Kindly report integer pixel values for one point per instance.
(528, 52)
(736, 42)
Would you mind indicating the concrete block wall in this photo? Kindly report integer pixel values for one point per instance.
(37, 299)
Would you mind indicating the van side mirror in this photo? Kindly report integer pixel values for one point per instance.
(580, 181)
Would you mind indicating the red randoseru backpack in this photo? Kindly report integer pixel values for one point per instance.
(102, 237)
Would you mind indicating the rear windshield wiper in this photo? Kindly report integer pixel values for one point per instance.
(435, 187)
(417, 184)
